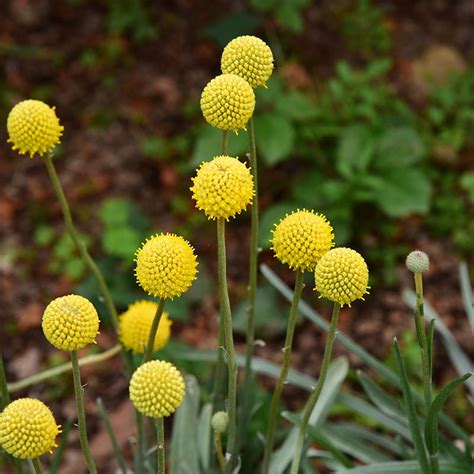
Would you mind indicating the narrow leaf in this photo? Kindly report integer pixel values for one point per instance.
(466, 292)
(403, 467)
(204, 435)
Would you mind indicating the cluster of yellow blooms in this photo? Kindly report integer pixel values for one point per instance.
(166, 264)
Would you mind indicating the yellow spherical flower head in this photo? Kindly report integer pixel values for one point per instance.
(70, 322)
(342, 276)
(222, 187)
(135, 325)
(157, 389)
(301, 239)
(27, 429)
(33, 127)
(228, 102)
(250, 58)
(166, 266)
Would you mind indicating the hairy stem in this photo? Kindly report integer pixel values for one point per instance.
(153, 330)
(229, 343)
(274, 415)
(316, 392)
(81, 416)
(37, 466)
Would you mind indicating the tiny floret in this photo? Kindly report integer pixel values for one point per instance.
(250, 58)
(70, 322)
(301, 239)
(33, 127)
(166, 266)
(135, 325)
(220, 421)
(228, 102)
(222, 187)
(418, 261)
(27, 429)
(157, 389)
(342, 276)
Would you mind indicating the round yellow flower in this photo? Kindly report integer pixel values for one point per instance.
(27, 429)
(70, 322)
(342, 276)
(228, 102)
(250, 58)
(157, 389)
(166, 266)
(33, 127)
(222, 187)
(301, 239)
(135, 325)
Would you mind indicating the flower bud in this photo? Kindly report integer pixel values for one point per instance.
(219, 421)
(417, 261)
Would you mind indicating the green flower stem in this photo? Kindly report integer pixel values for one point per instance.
(153, 330)
(229, 343)
(290, 330)
(252, 288)
(426, 357)
(60, 369)
(4, 395)
(75, 237)
(316, 392)
(141, 446)
(37, 465)
(219, 383)
(219, 451)
(160, 447)
(81, 417)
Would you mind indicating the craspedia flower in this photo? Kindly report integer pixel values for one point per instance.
(70, 322)
(157, 389)
(301, 239)
(220, 421)
(222, 187)
(33, 127)
(166, 266)
(27, 429)
(342, 276)
(135, 325)
(228, 102)
(418, 261)
(250, 58)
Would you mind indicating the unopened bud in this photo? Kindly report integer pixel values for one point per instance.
(418, 262)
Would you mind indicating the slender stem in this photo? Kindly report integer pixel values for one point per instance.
(252, 287)
(160, 448)
(77, 240)
(219, 451)
(4, 395)
(141, 442)
(60, 369)
(219, 383)
(81, 417)
(274, 416)
(37, 465)
(154, 328)
(316, 392)
(426, 358)
(229, 343)
(108, 427)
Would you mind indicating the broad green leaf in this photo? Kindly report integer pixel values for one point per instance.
(336, 374)
(355, 150)
(296, 106)
(398, 148)
(204, 432)
(269, 218)
(403, 467)
(115, 212)
(411, 414)
(184, 453)
(121, 242)
(230, 26)
(275, 137)
(431, 426)
(401, 192)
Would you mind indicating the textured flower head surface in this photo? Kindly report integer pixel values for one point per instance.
(222, 187)
(33, 127)
(342, 276)
(135, 325)
(70, 322)
(27, 429)
(301, 239)
(157, 389)
(228, 102)
(166, 266)
(418, 261)
(250, 58)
